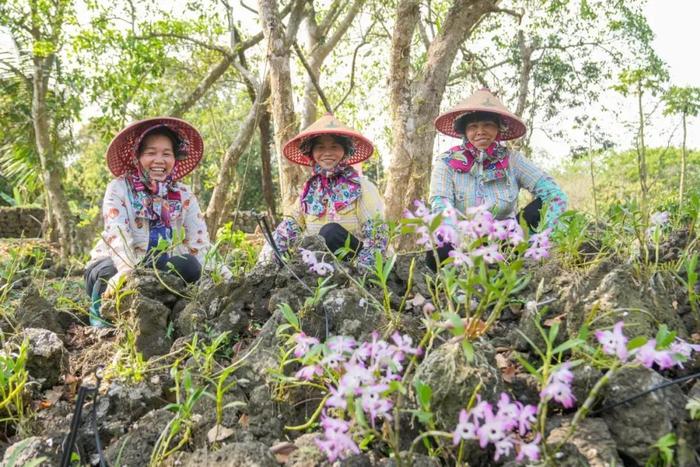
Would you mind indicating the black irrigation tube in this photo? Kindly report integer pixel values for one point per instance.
(69, 441)
(261, 220)
(648, 391)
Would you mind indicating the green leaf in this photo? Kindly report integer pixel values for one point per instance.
(289, 315)
(360, 414)
(424, 393)
(468, 350)
(664, 337)
(570, 344)
(457, 324)
(553, 331)
(636, 342)
(527, 365)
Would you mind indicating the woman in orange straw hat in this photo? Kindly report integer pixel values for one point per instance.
(336, 202)
(482, 171)
(145, 204)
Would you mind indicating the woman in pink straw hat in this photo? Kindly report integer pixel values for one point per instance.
(336, 202)
(145, 204)
(483, 171)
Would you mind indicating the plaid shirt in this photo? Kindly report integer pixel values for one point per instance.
(480, 185)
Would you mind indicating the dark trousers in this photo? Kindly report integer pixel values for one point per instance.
(98, 273)
(336, 235)
(530, 213)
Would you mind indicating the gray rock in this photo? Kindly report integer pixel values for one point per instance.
(231, 455)
(585, 377)
(131, 401)
(349, 314)
(134, 449)
(416, 460)
(165, 288)
(224, 308)
(34, 311)
(592, 439)
(36, 447)
(454, 380)
(637, 425)
(307, 454)
(148, 320)
(47, 358)
(605, 292)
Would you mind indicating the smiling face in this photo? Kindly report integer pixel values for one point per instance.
(157, 157)
(327, 151)
(481, 133)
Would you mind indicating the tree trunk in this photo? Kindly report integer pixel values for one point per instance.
(525, 71)
(52, 170)
(310, 100)
(215, 210)
(594, 192)
(291, 176)
(268, 188)
(684, 167)
(641, 151)
(414, 104)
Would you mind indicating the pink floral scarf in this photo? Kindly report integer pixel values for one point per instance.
(463, 157)
(330, 191)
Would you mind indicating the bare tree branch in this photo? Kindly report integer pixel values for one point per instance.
(329, 18)
(352, 67)
(329, 44)
(312, 77)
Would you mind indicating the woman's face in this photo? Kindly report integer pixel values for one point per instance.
(327, 152)
(481, 133)
(157, 157)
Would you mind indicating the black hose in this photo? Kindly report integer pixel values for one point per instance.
(648, 391)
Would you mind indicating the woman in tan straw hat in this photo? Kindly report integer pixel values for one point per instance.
(336, 202)
(482, 171)
(145, 204)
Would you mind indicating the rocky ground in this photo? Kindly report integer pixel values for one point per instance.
(132, 410)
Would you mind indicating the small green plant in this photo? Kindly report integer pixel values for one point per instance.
(13, 381)
(204, 354)
(180, 427)
(663, 453)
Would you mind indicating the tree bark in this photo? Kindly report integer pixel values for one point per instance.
(684, 166)
(414, 103)
(526, 51)
(641, 149)
(215, 210)
(291, 175)
(51, 166)
(266, 142)
(320, 43)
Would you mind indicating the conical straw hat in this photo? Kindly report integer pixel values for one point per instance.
(481, 101)
(328, 125)
(121, 153)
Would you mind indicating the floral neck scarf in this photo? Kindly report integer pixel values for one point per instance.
(493, 157)
(160, 202)
(330, 191)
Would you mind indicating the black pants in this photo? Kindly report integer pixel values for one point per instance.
(530, 213)
(336, 235)
(98, 273)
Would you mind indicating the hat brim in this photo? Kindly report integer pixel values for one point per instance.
(121, 152)
(363, 147)
(514, 127)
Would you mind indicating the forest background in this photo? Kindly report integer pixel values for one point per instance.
(603, 112)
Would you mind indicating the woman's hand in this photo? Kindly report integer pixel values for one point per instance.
(115, 283)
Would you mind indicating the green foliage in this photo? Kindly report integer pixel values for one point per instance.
(663, 451)
(682, 100)
(13, 382)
